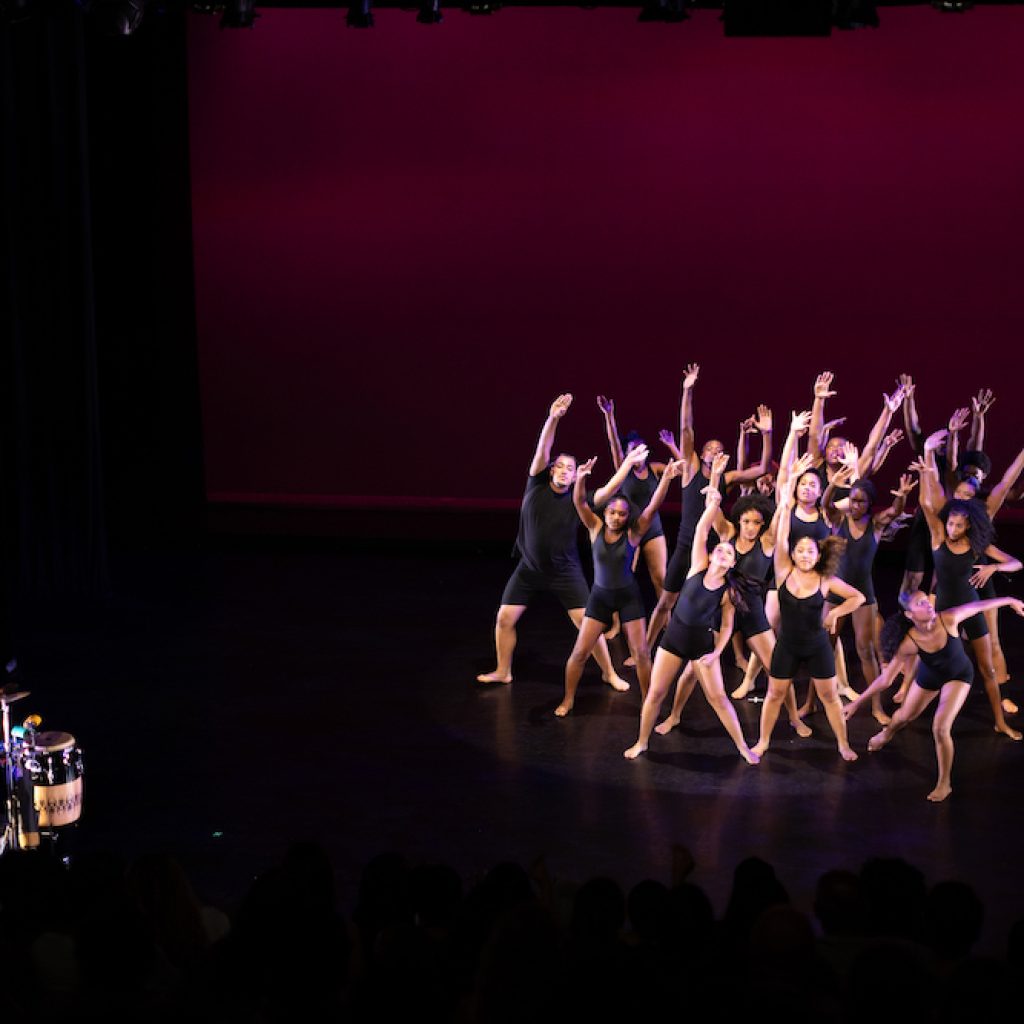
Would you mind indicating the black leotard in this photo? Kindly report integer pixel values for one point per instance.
(690, 632)
(640, 493)
(613, 563)
(800, 528)
(858, 558)
(802, 638)
(952, 586)
(947, 663)
(693, 507)
(756, 564)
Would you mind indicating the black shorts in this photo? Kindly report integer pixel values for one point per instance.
(569, 586)
(678, 568)
(818, 661)
(975, 627)
(627, 601)
(753, 621)
(686, 641)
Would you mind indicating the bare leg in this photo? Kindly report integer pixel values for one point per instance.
(739, 652)
(752, 671)
(504, 643)
(864, 634)
(912, 582)
(998, 658)
(655, 553)
(763, 646)
(586, 640)
(842, 671)
(710, 677)
(917, 700)
(635, 632)
(983, 654)
(601, 656)
(659, 619)
(613, 630)
(666, 668)
(770, 711)
(951, 700)
(684, 688)
(827, 690)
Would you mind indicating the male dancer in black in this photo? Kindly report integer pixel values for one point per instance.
(548, 554)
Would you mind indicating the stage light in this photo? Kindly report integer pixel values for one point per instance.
(430, 12)
(360, 14)
(239, 14)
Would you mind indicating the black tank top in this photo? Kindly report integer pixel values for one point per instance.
(698, 606)
(800, 528)
(640, 493)
(800, 617)
(693, 507)
(755, 563)
(952, 575)
(613, 563)
(949, 662)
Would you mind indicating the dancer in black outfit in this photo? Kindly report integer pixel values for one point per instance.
(921, 632)
(548, 557)
(805, 573)
(615, 540)
(711, 588)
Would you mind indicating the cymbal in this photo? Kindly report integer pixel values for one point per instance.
(10, 696)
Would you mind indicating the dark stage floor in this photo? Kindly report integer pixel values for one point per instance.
(229, 702)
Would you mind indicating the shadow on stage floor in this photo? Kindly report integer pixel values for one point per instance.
(231, 701)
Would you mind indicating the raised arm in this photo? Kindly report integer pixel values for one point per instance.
(911, 421)
(672, 470)
(980, 405)
(889, 442)
(668, 439)
(699, 550)
(957, 422)
(994, 502)
(687, 445)
(746, 427)
(833, 515)
(890, 403)
(798, 425)
(899, 502)
(607, 407)
(815, 437)
(542, 456)
(931, 490)
(579, 497)
(783, 563)
(618, 478)
(763, 423)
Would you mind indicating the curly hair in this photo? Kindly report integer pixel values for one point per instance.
(830, 554)
(977, 458)
(633, 436)
(980, 532)
(894, 629)
(632, 512)
(756, 503)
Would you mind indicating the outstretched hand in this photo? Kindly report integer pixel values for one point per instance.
(823, 385)
(849, 456)
(906, 382)
(763, 421)
(748, 426)
(959, 419)
(666, 437)
(637, 455)
(802, 465)
(606, 405)
(712, 496)
(800, 422)
(933, 441)
(895, 400)
(919, 466)
(718, 464)
(690, 378)
(891, 439)
(907, 484)
(828, 427)
(587, 468)
(982, 402)
(560, 406)
(674, 469)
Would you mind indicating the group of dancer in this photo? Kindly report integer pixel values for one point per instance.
(779, 575)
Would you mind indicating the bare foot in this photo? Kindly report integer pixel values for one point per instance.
(848, 692)
(664, 728)
(618, 683)
(630, 662)
(750, 756)
(742, 664)
(878, 741)
(803, 731)
(1012, 733)
(901, 692)
(742, 690)
(848, 753)
(880, 716)
(939, 793)
(634, 751)
(494, 677)
(563, 709)
(760, 748)
(613, 630)
(804, 711)
(1009, 708)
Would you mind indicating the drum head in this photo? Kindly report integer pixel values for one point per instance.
(50, 741)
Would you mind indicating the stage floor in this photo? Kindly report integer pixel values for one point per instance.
(231, 701)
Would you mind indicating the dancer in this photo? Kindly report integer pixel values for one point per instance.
(548, 557)
(805, 573)
(639, 487)
(961, 532)
(862, 531)
(696, 476)
(615, 541)
(920, 631)
(712, 586)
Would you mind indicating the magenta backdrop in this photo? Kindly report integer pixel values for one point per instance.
(409, 239)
